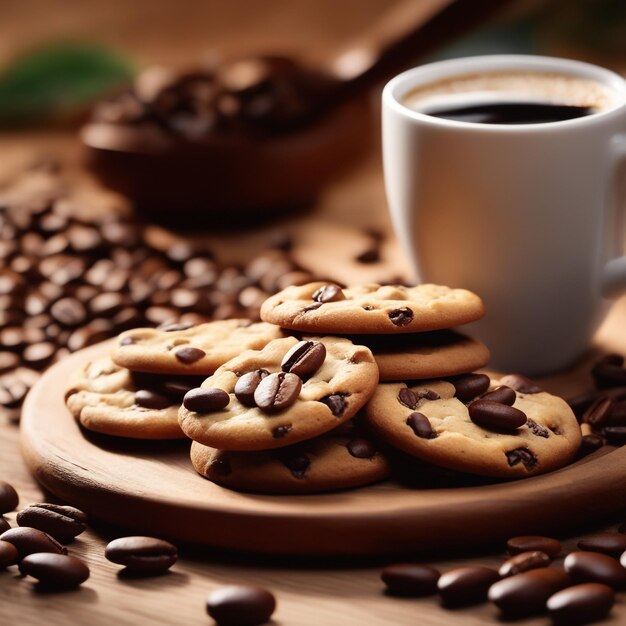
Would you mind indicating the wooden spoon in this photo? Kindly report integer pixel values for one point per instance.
(238, 178)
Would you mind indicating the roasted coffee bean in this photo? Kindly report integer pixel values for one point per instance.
(178, 388)
(421, 425)
(581, 604)
(470, 386)
(580, 403)
(502, 395)
(8, 498)
(336, 402)
(526, 594)
(189, 354)
(151, 400)
(611, 543)
(521, 384)
(240, 605)
(304, 359)
(615, 435)
(594, 567)
(55, 571)
(39, 355)
(523, 562)
(523, 456)
(495, 416)
(408, 397)
(401, 317)
(609, 373)
(328, 293)
(8, 554)
(30, 540)
(8, 361)
(4, 524)
(68, 312)
(142, 555)
(598, 413)
(277, 391)
(533, 543)
(364, 449)
(589, 444)
(410, 580)
(467, 585)
(62, 522)
(246, 386)
(206, 400)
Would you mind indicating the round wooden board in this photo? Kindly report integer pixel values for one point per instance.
(151, 488)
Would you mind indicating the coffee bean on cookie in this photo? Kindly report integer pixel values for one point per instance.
(188, 355)
(151, 399)
(421, 425)
(304, 358)
(470, 386)
(328, 293)
(277, 392)
(246, 386)
(521, 384)
(495, 416)
(503, 395)
(203, 400)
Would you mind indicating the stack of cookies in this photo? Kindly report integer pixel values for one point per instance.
(327, 392)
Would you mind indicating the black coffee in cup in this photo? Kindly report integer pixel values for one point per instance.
(511, 98)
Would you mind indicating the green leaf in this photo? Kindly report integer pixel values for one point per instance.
(58, 78)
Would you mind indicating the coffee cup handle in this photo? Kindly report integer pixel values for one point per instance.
(614, 275)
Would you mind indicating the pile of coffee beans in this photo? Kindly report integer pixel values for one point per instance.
(579, 590)
(602, 411)
(258, 95)
(68, 281)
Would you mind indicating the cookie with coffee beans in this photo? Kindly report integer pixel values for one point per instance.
(341, 459)
(436, 354)
(505, 428)
(189, 349)
(287, 392)
(105, 398)
(321, 307)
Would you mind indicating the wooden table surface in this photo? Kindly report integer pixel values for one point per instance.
(335, 593)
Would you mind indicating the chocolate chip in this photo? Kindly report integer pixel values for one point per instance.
(503, 395)
(246, 386)
(174, 327)
(304, 359)
(206, 400)
(328, 293)
(495, 416)
(521, 384)
(151, 400)
(142, 555)
(297, 464)
(537, 429)
(408, 397)
(188, 354)
(311, 307)
(277, 392)
(470, 386)
(523, 562)
(421, 426)
(281, 431)
(521, 455)
(401, 317)
(336, 402)
(240, 605)
(363, 449)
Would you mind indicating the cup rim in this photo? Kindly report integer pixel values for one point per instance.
(398, 86)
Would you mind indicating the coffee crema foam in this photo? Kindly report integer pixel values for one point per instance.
(507, 86)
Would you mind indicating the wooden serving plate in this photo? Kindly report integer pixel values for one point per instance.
(151, 488)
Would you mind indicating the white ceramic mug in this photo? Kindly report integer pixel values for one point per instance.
(524, 215)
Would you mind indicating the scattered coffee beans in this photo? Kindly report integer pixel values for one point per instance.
(206, 400)
(611, 543)
(8, 554)
(410, 580)
(142, 555)
(467, 585)
(246, 386)
(62, 522)
(530, 543)
(304, 359)
(241, 605)
(55, 571)
(30, 540)
(4, 524)
(595, 567)
(581, 604)
(8, 498)
(523, 562)
(277, 392)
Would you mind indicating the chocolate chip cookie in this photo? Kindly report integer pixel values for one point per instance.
(285, 393)
(371, 309)
(341, 459)
(186, 349)
(436, 354)
(506, 428)
(105, 398)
